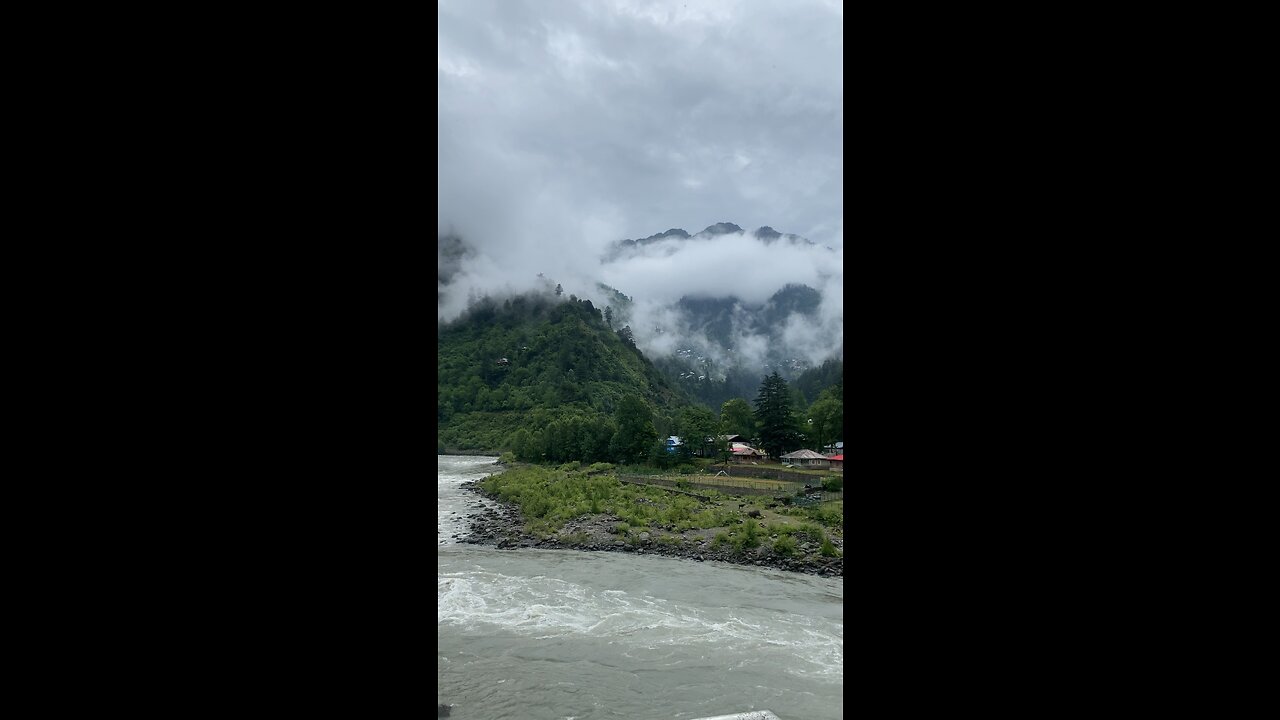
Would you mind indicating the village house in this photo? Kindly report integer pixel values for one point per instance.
(743, 452)
(837, 462)
(806, 458)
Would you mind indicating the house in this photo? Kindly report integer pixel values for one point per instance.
(673, 442)
(837, 462)
(732, 438)
(806, 458)
(743, 452)
(834, 449)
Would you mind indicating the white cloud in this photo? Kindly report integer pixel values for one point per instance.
(567, 126)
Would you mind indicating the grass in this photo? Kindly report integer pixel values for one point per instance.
(550, 497)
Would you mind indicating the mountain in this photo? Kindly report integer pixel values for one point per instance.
(624, 249)
(714, 371)
(705, 347)
(535, 361)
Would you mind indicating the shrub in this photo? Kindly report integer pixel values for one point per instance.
(832, 484)
(720, 539)
(827, 548)
(507, 458)
(571, 466)
(600, 467)
(747, 537)
(830, 514)
(785, 545)
(536, 507)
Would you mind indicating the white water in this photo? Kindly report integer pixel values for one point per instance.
(559, 633)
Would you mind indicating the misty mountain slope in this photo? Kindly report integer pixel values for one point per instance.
(714, 311)
(729, 345)
(529, 360)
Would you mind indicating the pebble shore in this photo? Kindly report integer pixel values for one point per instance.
(503, 527)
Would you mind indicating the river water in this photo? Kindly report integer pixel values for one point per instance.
(570, 635)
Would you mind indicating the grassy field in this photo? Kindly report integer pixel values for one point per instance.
(551, 497)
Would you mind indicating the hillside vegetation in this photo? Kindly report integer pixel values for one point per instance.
(547, 365)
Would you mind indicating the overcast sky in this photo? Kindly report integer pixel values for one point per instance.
(567, 125)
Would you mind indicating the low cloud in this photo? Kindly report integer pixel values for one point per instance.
(565, 127)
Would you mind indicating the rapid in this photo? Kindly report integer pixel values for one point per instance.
(571, 635)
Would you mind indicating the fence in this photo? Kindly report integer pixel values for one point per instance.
(733, 485)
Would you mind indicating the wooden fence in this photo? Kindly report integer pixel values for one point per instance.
(732, 485)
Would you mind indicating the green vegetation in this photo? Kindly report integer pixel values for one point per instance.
(774, 418)
(833, 483)
(549, 379)
(785, 545)
(825, 418)
(549, 498)
(745, 536)
(736, 418)
(829, 514)
(552, 368)
(828, 549)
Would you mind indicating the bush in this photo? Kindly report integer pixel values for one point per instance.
(785, 545)
(720, 539)
(830, 514)
(832, 484)
(507, 458)
(571, 466)
(827, 548)
(747, 536)
(600, 467)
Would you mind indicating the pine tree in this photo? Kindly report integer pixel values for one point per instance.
(773, 416)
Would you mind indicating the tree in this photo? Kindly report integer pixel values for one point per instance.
(826, 417)
(559, 290)
(737, 419)
(635, 433)
(697, 424)
(773, 416)
(608, 315)
(626, 336)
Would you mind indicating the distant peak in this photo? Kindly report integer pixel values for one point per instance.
(768, 233)
(722, 229)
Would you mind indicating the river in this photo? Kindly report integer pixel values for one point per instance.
(571, 635)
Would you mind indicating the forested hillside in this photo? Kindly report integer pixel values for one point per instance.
(547, 365)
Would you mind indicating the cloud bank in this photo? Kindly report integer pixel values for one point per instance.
(565, 127)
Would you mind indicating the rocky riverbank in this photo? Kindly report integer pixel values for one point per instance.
(503, 526)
